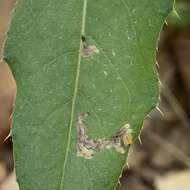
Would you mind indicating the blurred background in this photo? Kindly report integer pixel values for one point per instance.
(162, 160)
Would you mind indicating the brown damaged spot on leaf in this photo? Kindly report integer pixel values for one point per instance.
(88, 49)
(86, 146)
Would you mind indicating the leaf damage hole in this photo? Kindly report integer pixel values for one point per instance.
(88, 49)
(87, 147)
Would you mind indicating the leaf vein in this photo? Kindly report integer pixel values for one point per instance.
(74, 96)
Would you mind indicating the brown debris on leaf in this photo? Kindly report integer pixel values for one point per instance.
(86, 146)
(87, 49)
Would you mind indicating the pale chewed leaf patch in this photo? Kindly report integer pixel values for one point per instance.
(87, 147)
(88, 49)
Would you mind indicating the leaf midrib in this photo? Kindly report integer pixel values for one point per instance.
(74, 94)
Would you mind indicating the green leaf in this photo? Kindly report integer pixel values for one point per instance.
(117, 84)
(180, 16)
